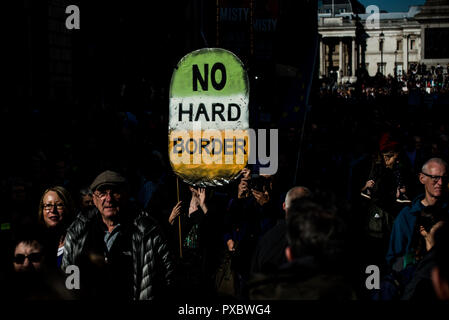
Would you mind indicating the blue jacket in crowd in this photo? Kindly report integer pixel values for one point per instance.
(402, 231)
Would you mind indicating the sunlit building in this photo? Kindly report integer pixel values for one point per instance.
(353, 37)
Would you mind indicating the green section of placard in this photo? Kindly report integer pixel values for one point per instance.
(200, 74)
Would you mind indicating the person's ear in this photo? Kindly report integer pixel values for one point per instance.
(421, 178)
(440, 285)
(288, 254)
(283, 206)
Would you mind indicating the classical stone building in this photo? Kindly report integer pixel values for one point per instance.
(434, 21)
(353, 37)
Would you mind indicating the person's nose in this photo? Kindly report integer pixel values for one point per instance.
(108, 197)
(26, 263)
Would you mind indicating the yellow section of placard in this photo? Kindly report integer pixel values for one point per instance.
(208, 157)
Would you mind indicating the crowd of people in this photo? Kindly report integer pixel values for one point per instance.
(95, 190)
(419, 80)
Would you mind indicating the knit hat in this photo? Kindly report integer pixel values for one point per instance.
(386, 143)
(109, 178)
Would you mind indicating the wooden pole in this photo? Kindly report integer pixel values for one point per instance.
(179, 220)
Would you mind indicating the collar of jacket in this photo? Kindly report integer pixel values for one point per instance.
(417, 206)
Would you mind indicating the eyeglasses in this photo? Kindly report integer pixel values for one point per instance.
(102, 194)
(32, 257)
(49, 206)
(436, 178)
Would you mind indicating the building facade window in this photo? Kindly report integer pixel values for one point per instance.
(399, 69)
(399, 45)
(412, 44)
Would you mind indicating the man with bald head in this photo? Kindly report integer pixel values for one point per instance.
(293, 194)
(270, 250)
(434, 178)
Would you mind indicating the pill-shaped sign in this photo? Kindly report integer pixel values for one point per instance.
(209, 117)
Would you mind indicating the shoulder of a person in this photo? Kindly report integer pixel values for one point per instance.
(280, 228)
(144, 222)
(81, 219)
(412, 208)
(445, 204)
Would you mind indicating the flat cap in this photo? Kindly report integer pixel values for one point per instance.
(109, 178)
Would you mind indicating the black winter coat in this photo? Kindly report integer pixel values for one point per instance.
(150, 261)
(302, 279)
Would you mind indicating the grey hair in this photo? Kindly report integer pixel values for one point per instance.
(439, 161)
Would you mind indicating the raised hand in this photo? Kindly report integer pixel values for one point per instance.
(243, 189)
(175, 212)
(261, 197)
(194, 202)
(231, 245)
(369, 184)
(202, 199)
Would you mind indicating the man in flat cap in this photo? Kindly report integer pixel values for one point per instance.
(120, 251)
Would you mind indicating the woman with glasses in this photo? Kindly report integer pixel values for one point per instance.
(56, 211)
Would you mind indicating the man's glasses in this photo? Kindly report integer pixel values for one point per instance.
(49, 206)
(436, 178)
(32, 257)
(102, 194)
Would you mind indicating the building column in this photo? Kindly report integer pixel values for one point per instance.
(405, 53)
(341, 68)
(354, 58)
(322, 57)
(360, 55)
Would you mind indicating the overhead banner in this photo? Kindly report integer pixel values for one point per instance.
(209, 117)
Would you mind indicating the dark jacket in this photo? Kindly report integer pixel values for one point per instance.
(139, 263)
(420, 286)
(270, 250)
(302, 279)
(245, 222)
(401, 234)
(384, 190)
